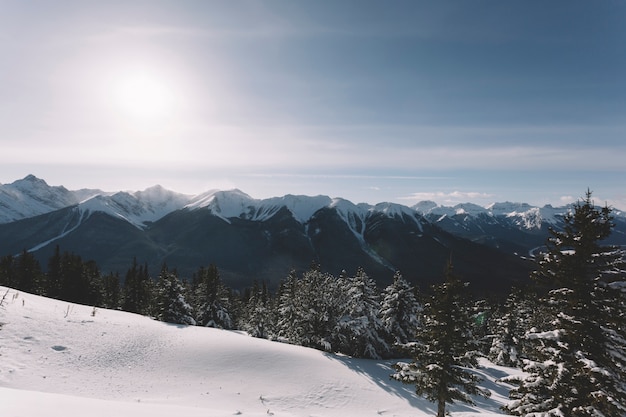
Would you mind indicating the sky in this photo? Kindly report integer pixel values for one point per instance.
(399, 101)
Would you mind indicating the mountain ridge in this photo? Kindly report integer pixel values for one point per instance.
(32, 196)
(265, 239)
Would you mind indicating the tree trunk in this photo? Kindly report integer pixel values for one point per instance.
(441, 406)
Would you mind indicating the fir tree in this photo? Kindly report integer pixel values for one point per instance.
(171, 305)
(577, 363)
(111, 291)
(54, 275)
(444, 348)
(288, 310)
(211, 299)
(137, 290)
(359, 331)
(399, 311)
(258, 318)
(7, 271)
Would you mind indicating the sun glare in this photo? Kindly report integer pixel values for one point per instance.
(143, 98)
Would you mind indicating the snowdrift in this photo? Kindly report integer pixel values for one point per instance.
(63, 359)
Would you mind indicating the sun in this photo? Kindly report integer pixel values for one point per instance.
(143, 98)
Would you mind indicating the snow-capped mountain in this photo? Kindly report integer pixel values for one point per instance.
(139, 208)
(265, 238)
(32, 196)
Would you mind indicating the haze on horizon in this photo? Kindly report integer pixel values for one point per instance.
(399, 101)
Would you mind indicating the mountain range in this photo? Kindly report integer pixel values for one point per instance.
(249, 239)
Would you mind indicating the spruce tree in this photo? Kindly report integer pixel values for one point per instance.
(289, 313)
(577, 364)
(444, 348)
(400, 311)
(359, 331)
(211, 299)
(258, 319)
(137, 290)
(171, 305)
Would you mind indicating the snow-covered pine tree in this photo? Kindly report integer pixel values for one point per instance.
(578, 362)
(319, 309)
(211, 299)
(171, 305)
(400, 311)
(510, 323)
(289, 313)
(444, 348)
(258, 317)
(359, 331)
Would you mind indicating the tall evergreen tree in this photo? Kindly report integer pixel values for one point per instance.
(359, 331)
(444, 348)
(211, 299)
(7, 271)
(578, 361)
(137, 290)
(27, 273)
(54, 274)
(170, 303)
(111, 291)
(258, 319)
(288, 309)
(400, 311)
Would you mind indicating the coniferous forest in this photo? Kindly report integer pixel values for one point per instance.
(567, 330)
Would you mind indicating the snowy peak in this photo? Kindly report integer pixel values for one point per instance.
(301, 207)
(523, 215)
(225, 204)
(32, 196)
(138, 208)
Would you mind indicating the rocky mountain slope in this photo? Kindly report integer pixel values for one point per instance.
(251, 239)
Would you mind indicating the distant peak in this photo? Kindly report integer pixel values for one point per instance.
(32, 179)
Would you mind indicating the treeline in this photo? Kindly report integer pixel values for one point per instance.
(346, 314)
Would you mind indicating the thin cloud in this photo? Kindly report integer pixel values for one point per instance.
(454, 196)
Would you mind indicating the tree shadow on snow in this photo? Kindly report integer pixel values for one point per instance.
(379, 372)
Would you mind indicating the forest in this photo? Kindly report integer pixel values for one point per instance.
(566, 331)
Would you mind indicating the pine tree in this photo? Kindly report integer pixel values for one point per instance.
(399, 311)
(137, 290)
(289, 314)
(444, 347)
(258, 318)
(7, 271)
(27, 273)
(358, 331)
(578, 362)
(211, 299)
(509, 325)
(111, 291)
(171, 305)
(54, 275)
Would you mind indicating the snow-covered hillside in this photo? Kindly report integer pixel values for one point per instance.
(62, 359)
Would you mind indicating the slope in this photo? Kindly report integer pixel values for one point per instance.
(57, 355)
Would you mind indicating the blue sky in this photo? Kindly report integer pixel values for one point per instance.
(402, 101)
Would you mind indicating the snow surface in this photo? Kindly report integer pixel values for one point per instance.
(62, 359)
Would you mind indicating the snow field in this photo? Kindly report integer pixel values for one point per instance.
(60, 359)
